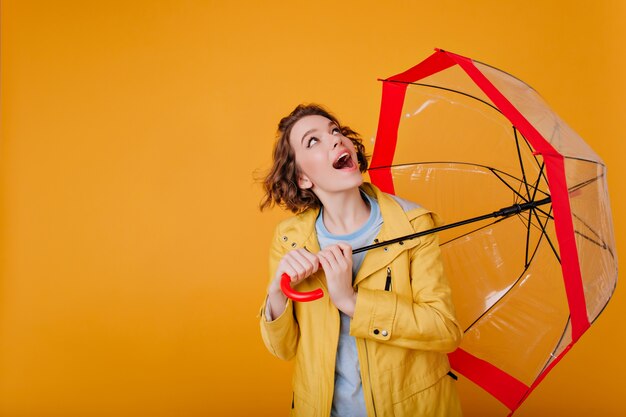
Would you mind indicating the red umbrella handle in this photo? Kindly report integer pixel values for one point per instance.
(285, 285)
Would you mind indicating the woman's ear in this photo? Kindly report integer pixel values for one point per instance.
(304, 182)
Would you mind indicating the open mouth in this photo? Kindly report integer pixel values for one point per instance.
(344, 161)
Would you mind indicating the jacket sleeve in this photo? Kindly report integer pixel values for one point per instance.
(425, 322)
(281, 334)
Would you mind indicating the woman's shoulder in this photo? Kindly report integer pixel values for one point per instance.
(299, 224)
(417, 214)
(411, 209)
(405, 204)
(387, 198)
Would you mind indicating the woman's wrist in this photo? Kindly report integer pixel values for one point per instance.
(347, 304)
(276, 302)
(274, 287)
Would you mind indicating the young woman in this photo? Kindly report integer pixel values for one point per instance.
(376, 343)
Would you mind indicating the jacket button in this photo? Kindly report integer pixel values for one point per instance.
(384, 333)
(293, 244)
(285, 238)
(386, 249)
(376, 331)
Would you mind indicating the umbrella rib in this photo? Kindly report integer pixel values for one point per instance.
(541, 165)
(515, 282)
(590, 229)
(591, 161)
(544, 233)
(473, 231)
(607, 301)
(536, 188)
(527, 261)
(541, 227)
(441, 162)
(552, 355)
(516, 192)
(521, 163)
(504, 72)
(493, 170)
(534, 155)
(497, 301)
(536, 185)
(446, 89)
(599, 244)
(547, 216)
(585, 183)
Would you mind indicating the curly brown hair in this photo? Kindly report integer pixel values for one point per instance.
(280, 184)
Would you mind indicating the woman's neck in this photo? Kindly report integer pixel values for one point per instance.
(345, 212)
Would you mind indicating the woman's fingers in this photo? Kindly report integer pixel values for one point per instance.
(325, 260)
(346, 250)
(337, 263)
(336, 257)
(308, 260)
(300, 264)
(328, 259)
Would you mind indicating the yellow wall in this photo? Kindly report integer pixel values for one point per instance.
(133, 257)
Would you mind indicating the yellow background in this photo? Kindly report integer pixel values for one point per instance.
(133, 256)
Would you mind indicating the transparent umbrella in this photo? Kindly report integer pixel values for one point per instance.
(463, 138)
(529, 247)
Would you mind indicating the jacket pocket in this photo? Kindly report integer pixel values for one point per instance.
(302, 406)
(417, 372)
(388, 280)
(438, 400)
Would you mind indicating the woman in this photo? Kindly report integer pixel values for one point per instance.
(376, 343)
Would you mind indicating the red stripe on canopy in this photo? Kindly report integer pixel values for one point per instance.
(555, 168)
(394, 89)
(387, 136)
(507, 389)
(435, 63)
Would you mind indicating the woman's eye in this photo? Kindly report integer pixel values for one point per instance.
(311, 142)
(336, 130)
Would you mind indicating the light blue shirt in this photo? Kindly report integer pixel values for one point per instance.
(348, 399)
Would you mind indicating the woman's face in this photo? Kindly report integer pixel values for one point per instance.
(327, 160)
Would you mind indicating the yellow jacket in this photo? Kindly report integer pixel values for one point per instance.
(402, 334)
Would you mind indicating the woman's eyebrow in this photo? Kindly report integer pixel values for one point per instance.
(308, 132)
(331, 123)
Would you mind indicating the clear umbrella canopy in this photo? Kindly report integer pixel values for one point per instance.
(465, 139)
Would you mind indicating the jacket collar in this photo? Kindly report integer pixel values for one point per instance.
(396, 223)
(299, 231)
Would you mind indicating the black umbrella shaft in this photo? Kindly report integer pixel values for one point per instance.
(503, 212)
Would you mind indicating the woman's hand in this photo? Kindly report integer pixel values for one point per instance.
(299, 264)
(336, 260)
